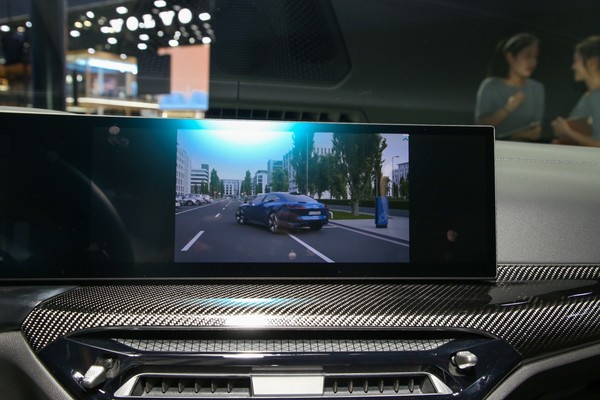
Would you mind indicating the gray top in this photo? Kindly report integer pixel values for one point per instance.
(588, 107)
(493, 94)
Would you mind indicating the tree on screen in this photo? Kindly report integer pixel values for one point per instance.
(404, 187)
(329, 177)
(303, 160)
(214, 183)
(280, 181)
(247, 184)
(359, 160)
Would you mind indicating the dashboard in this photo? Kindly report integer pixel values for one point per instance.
(453, 339)
(529, 331)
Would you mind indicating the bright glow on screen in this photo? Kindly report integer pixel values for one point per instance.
(246, 138)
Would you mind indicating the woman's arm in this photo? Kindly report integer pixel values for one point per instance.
(532, 133)
(564, 132)
(511, 105)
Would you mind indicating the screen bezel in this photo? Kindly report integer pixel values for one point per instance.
(436, 141)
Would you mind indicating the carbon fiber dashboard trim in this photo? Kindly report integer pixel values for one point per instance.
(512, 273)
(560, 310)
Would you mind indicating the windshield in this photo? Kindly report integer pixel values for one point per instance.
(524, 67)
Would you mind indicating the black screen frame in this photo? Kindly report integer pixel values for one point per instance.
(444, 152)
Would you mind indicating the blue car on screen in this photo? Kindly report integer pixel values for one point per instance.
(280, 210)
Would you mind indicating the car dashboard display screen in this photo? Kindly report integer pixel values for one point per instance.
(110, 197)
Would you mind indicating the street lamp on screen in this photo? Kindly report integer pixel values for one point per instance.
(393, 180)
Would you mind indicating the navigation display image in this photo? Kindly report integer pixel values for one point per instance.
(283, 193)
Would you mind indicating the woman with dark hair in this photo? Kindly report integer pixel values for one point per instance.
(583, 125)
(508, 98)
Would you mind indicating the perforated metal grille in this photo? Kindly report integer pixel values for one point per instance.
(286, 346)
(534, 316)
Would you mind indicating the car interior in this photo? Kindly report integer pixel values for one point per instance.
(303, 259)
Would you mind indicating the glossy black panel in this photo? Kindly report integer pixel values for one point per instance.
(107, 186)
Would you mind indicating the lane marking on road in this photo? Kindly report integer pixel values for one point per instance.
(374, 236)
(191, 242)
(193, 209)
(318, 253)
(197, 208)
(217, 216)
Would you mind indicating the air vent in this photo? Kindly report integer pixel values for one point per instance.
(384, 385)
(334, 385)
(284, 115)
(184, 386)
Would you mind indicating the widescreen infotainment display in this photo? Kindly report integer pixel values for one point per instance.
(109, 197)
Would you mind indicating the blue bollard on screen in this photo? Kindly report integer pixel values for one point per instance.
(381, 212)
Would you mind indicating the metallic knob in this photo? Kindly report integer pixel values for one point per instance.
(94, 376)
(464, 360)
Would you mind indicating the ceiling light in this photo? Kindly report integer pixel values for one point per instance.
(122, 10)
(149, 22)
(107, 29)
(132, 23)
(142, 46)
(117, 24)
(123, 56)
(206, 40)
(160, 3)
(21, 29)
(87, 23)
(185, 16)
(167, 17)
(75, 33)
(28, 24)
(204, 16)
(89, 14)
(112, 40)
(91, 51)
(192, 40)
(160, 33)
(173, 43)
(78, 25)
(144, 37)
